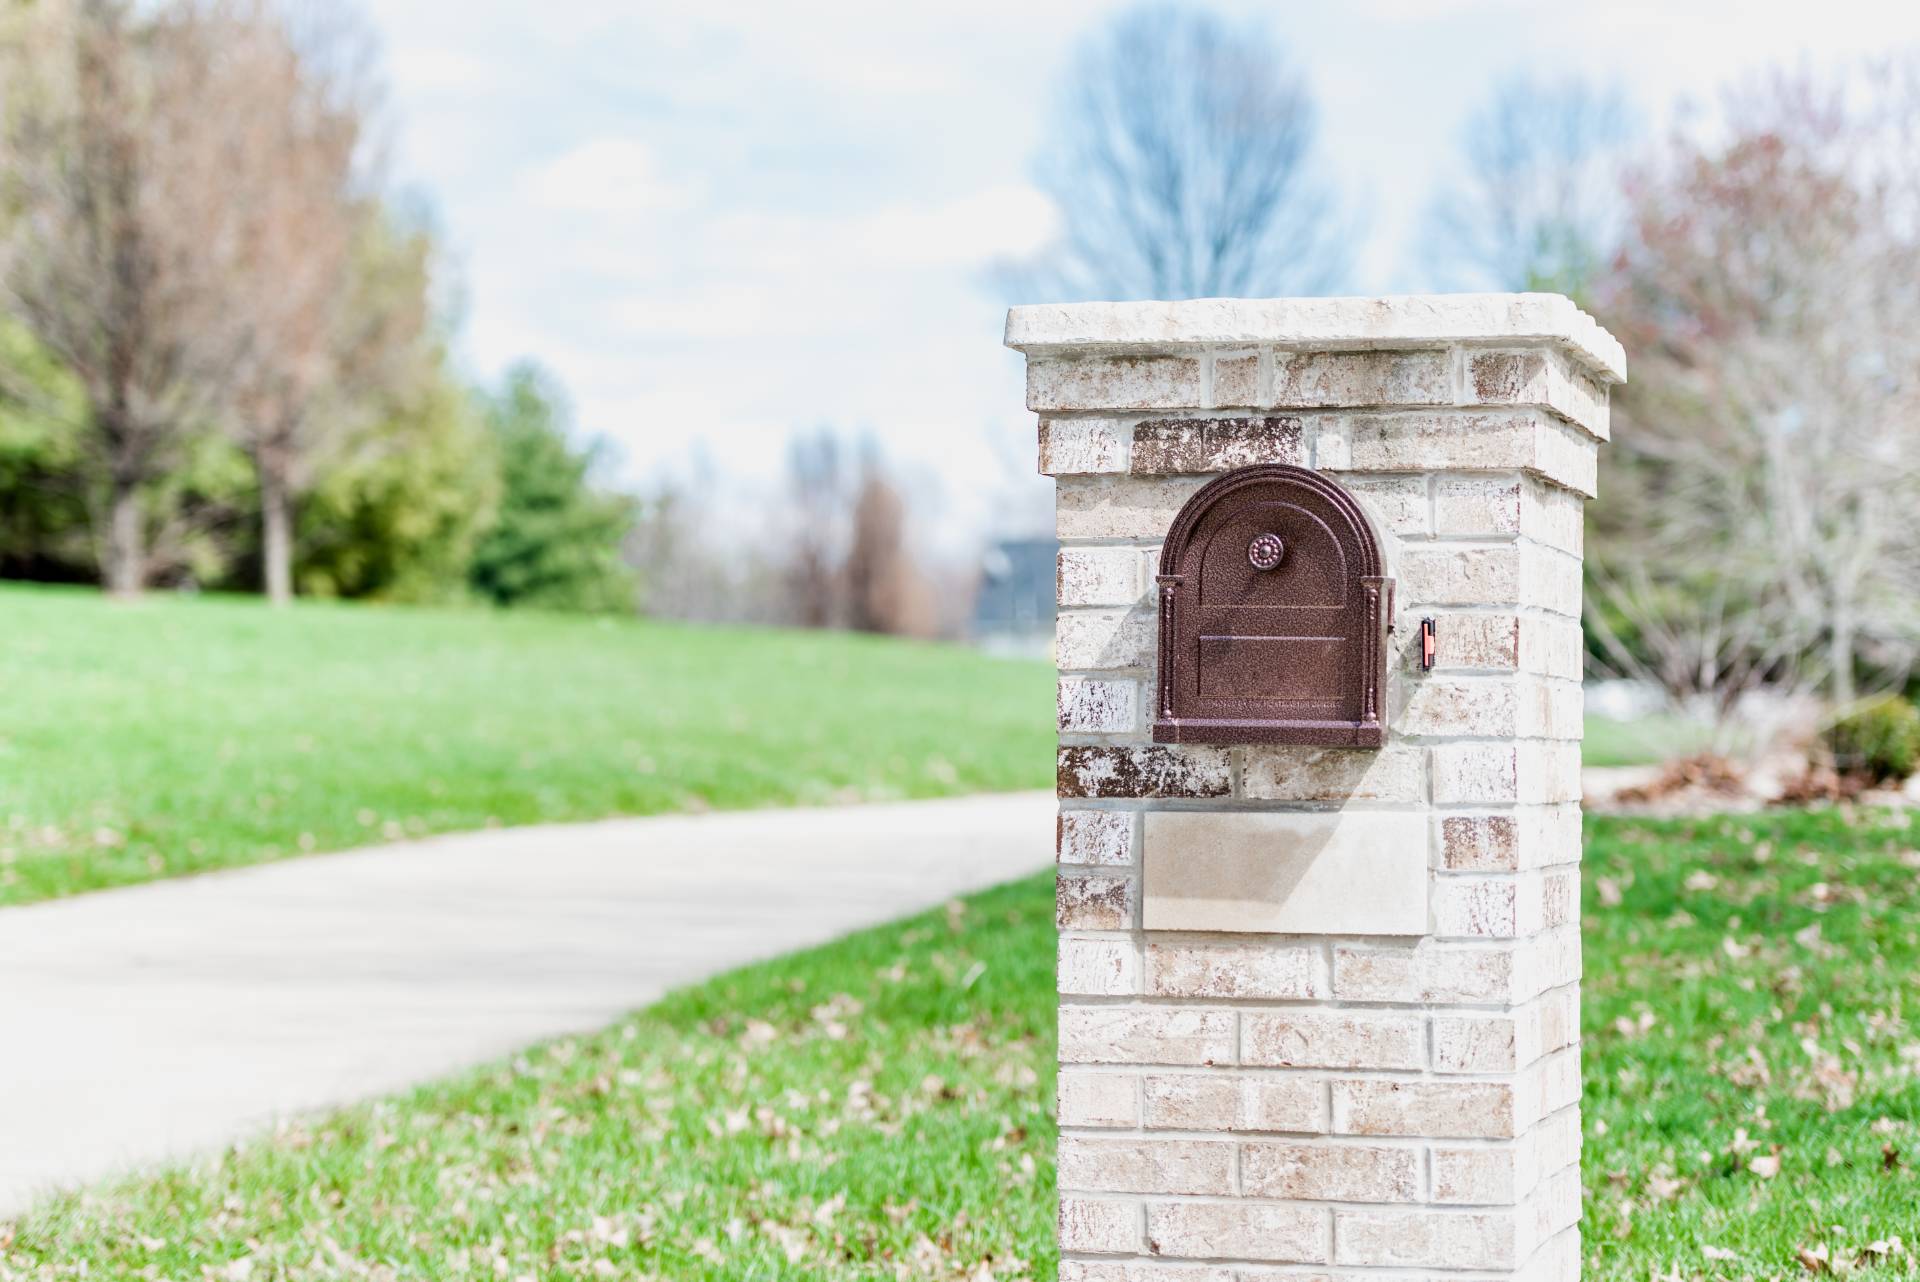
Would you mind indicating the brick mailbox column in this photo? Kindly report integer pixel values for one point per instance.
(1319, 1006)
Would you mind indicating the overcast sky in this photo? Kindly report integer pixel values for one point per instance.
(720, 223)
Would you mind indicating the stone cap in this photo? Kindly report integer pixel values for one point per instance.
(1323, 324)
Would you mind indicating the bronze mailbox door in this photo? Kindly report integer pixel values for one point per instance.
(1272, 609)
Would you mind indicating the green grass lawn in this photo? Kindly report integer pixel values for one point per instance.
(177, 734)
(1643, 742)
(879, 1107)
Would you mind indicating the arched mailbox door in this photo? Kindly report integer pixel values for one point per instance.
(1273, 615)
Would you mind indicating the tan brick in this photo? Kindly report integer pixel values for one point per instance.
(1549, 710)
(1223, 1102)
(1082, 445)
(1098, 967)
(1113, 383)
(1145, 1166)
(1397, 503)
(1330, 1172)
(1440, 1110)
(1120, 507)
(1423, 972)
(1429, 1239)
(1257, 969)
(1099, 576)
(1103, 837)
(1097, 705)
(1140, 1035)
(1099, 1100)
(1536, 771)
(1502, 908)
(1099, 1226)
(1167, 446)
(1550, 580)
(1502, 1043)
(1238, 1230)
(1142, 771)
(1103, 639)
(1396, 772)
(1085, 901)
(1310, 1039)
(1361, 378)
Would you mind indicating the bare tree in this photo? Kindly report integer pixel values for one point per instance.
(819, 497)
(1181, 166)
(299, 79)
(121, 242)
(886, 590)
(1768, 462)
(1537, 203)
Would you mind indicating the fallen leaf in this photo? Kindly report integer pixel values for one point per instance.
(1766, 1166)
(1718, 1253)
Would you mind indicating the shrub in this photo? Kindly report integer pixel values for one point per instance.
(1880, 738)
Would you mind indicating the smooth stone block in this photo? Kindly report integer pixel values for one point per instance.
(1360, 872)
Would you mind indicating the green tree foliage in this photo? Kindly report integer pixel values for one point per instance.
(396, 512)
(555, 543)
(44, 532)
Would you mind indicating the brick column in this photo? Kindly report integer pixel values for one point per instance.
(1320, 1007)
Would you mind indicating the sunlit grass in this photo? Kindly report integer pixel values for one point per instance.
(880, 1107)
(182, 734)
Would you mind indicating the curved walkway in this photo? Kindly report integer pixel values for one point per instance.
(167, 1019)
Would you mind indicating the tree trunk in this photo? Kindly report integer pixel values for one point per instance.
(126, 542)
(1840, 654)
(276, 536)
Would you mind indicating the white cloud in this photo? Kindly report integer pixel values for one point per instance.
(997, 222)
(612, 175)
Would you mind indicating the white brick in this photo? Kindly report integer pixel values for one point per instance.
(1094, 901)
(1098, 967)
(1482, 575)
(1099, 1100)
(1424, 972)
(1312, 1039)
(1238, 1230)
(1440, 1110)
(1102, 837)
(1306, 379)
(1080, 445)
(1229, 1102)
(1398, 504)
(1097, 705)
(1429, 1239)
(1145, 1165)
(1098, 576)
(1099, 1226)
(1120, 507)
(1330, 1172)
(1103, 639)
(1396, 772)
(1113, 383)
(1477, 506)
(1442, 706)
(1254, 969)
(1536, 771)
(1512, 840)
(1134, 1035)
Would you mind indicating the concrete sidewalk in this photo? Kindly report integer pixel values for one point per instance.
(165, 1020)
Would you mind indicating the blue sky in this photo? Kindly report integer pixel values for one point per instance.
(720, 223)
